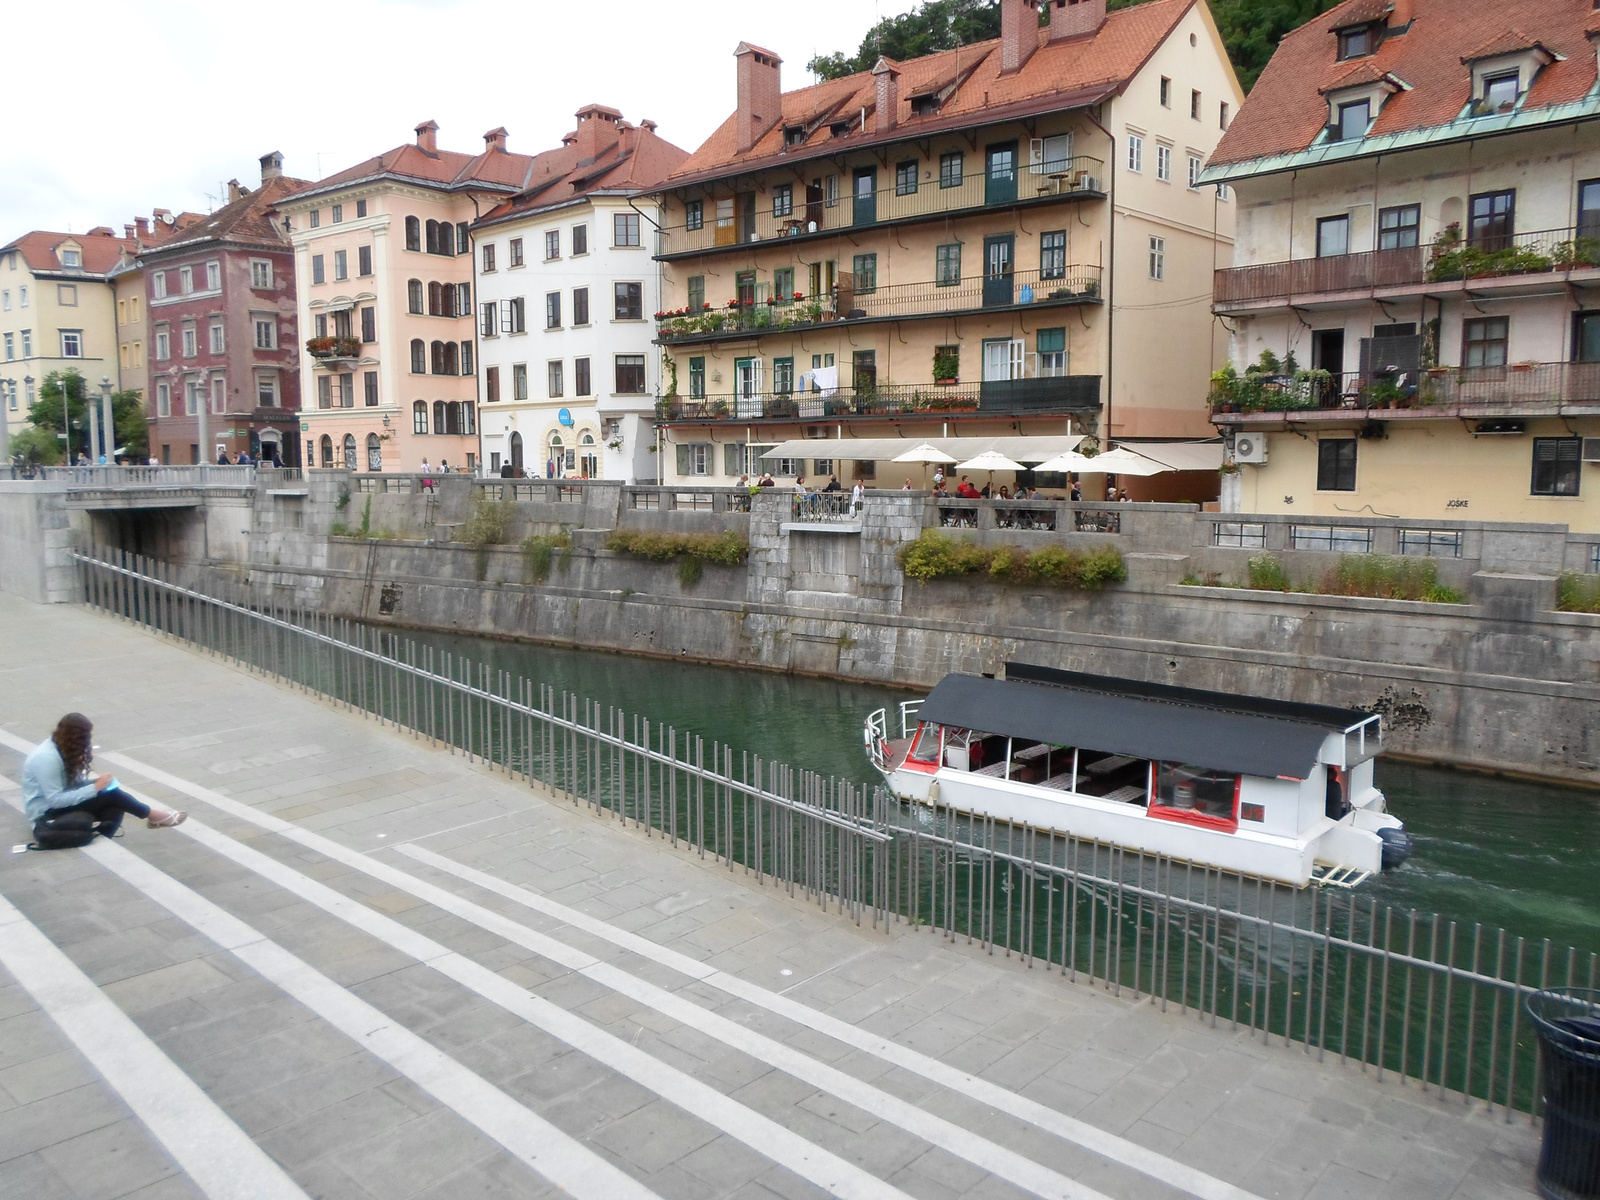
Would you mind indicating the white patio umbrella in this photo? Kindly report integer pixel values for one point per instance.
(1070, 461)
(990, 460)
(924, 454)
(1125, 462)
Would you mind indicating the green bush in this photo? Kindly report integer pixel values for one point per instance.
(727, 548)
(1578, 593)
(1385, 578)
(936, 555)
(539, 551)
(489, 524)
(1267, 574)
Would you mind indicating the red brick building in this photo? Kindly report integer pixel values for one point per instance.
(224, 363)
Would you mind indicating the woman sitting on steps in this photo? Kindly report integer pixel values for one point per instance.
(55, 780)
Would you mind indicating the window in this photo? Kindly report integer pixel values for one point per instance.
(1164, 163)
(466, 358)
(72, 343)
(1194, 170)
(783, 200)
(552, 310)
(1158, 258)
(1397, 227)
(185, 280)
(163, 399)
(580, 240)
(322, 325)
(697, 378)
(267, 389)
(513, 314)
(27, 343)
(363, 261)
(1484, 341)
(1053, 254)
(630, 374)
(317, 274)
(1336, 465)
(369, 324)
(905, 178)
(513, 252)
(625, 229)
(489, 320)
(1194, 106)
(1135, 153)
(830, 191)
(163, 344)
(1166, 92)
(213, 277)
(1492, 219)
(435, 299)
(1500, 92)
(1052, 345)
(414, 296)
(783, 284)
(947, 265)
(72, 259)
(865, 268)
(191, 342)
(582, 382)
(158, 284)
(552, 244)
(696, 290)
(1333, 236)
(341, 269)
(419, 357)
(314, 217)
(413, 234)
(488, 255)
(1556, 463)
(1431, 543)
(1355, 43)
(266, 332)
(519, 381)
(1353, 121)
(419, 417)
(5, 300)
(374, 452)
(950, 169)
(361, 209)
(555, 378)
(261, 273)
(629, 301)
(463, 300)
(1222, 118)
(11, 347)
(369, 383)
(580, 306)
(1239, 535)
(491, 385)
(694, 215)
(338, 213)
(218, 338)
(324, 391)
(350, 452)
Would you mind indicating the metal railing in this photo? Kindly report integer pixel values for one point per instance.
(1531, 253)
(1048, 394)
(1437, 1002)
(743, 221)
(101, 477)
(821, 507)
(1513, 388)
(1074, 283)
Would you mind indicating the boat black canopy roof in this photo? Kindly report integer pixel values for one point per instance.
(1238, 734)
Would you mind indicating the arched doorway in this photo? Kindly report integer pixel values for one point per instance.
(516, 451)
(588, 457)
(374, 452)
(350, 452)
(327, 451)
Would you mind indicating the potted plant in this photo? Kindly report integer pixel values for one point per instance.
(320, 347)
(946, 365)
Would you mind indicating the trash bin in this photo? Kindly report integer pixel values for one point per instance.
(1569, 1037)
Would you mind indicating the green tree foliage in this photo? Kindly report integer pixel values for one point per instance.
(71, 388)
(1250, 30)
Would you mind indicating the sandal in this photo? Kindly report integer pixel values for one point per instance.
(168, 821)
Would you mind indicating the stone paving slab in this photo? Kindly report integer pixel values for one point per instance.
(1271, 1119)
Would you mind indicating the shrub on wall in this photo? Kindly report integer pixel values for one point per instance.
(1578, 593)
(1376, 576)
(728, 548)
(936, 555)
(539, 551)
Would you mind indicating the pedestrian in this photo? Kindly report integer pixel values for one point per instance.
(56, 781)
(427, 476)
(222, 457)
(858, 495)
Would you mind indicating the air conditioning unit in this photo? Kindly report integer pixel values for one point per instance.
(1250, 448)
(1091, 183)
(1591, 450)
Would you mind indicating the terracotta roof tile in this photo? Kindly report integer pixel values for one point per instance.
(1509, 42)
(248, 219)
(101, 251)
(446, 169)
(1285, 112)
(638, 161)
(1059, 75)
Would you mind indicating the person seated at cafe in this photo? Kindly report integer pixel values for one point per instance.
(1077, 490)
(766, 480)
(1005, 492)
(833, 484)
(984, 491)
(965, 489)
(906, 486)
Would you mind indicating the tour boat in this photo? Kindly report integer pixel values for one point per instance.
(1269, 788)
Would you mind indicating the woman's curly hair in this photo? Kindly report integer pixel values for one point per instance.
(72, 740)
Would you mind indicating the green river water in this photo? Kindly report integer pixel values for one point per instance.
(1506, 853)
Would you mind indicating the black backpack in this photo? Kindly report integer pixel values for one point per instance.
(64, 832)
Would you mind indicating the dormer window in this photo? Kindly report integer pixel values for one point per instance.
(1500, 92)
(1354, 119)
(925, 106)
(72, 258)
(1356, 42)
(794, 135)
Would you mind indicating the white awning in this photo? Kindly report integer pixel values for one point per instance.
(1029, 450)
(1178, 456)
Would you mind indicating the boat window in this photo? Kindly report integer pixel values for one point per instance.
(1118, 777)
(926, 748)
(1197, 795)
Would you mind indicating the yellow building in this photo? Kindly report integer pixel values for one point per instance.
(1010, 237)
(1413, 329)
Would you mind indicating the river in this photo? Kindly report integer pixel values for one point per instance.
(1508, 853)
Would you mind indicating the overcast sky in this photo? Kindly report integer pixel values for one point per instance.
(157, 104)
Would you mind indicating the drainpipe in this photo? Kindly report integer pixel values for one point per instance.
(1111, 275)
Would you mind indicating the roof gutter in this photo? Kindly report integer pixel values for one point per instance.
(1111, 275)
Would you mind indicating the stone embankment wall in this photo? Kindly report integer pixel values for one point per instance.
(1502, 682)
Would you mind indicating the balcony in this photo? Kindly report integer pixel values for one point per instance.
(1059, 395)
(327, 349)
(751, 218)
(1518, 389)
(852, 305)
(1448, 260)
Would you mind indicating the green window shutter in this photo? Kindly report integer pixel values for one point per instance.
(683, 460)
(733, 459)
(1051, 340)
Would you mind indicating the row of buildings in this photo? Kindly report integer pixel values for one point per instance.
(1372, 279)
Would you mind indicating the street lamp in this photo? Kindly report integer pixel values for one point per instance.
(105, 420)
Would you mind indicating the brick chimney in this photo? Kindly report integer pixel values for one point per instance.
(598, 129)
(495, 140)
(235, 192)
(1074, 18)
(428, 137)
(271, 165)
(648, 125)
(127, 233)
(760, 94)
(1401, 13)
(886, 104)
(1019, 34)
(142, 224)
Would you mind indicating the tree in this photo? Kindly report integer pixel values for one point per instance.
(133, 427)
(35, 447)
(44, 415)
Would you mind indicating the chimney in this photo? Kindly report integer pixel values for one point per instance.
(100, 231)
(127, 233)
(1074, 18)
(235, 192)
(143, 225)
(886, 105)
(495, 140)
(1019, 34)
(598, 128)
(271, 165)
(760, 94)
(648, 125)
(1401, 13)
(428, 137)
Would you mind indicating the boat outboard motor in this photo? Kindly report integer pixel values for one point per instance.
(1398, 846)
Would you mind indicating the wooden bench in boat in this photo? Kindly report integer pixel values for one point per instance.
(1132, 794)
(1061, 782)
(1032, 752)
(1105, 766)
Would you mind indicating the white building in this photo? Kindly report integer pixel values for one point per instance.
(567, 293)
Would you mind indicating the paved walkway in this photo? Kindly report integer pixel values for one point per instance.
(367, 969)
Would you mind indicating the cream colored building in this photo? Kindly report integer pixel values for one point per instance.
(1006, 238)
(1419, 227)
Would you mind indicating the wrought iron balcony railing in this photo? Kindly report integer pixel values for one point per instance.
(1526, 387)
(1069, 284)
(1050, 395)
(768, 216)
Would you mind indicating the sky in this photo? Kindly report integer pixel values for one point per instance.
(159, 103)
